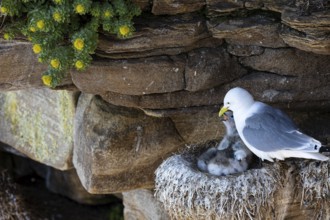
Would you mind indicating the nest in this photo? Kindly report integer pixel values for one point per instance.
(187, 193)
(314, 178)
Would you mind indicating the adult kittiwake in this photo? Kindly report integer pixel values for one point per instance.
(268, 132)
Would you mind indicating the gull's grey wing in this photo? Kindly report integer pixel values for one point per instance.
(270, 129)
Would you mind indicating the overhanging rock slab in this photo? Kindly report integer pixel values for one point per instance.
(118, 148)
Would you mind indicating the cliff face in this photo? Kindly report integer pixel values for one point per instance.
(154, 94)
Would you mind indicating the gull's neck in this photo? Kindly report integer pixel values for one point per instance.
(243, 108)
(241, 113)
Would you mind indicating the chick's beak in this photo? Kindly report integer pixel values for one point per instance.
(224, 117)
(223, 110)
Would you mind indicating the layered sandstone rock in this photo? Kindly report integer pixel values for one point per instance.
(142, 205)
(118, 148)
(20, 68)
(150, 96)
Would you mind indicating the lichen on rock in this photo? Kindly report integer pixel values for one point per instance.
(39, 124)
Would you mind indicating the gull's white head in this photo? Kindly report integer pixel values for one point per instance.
(236, 99)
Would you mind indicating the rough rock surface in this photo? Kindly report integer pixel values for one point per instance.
(115, 145)
(222, 7)
(161, 7)
(259, 30)
(202, 69)
(306, 91)
(315, 22)
(244, 50)
(39, 124)
(67, 183)
(141, 205)
(197, 125)
(225, 7)
(180, 99)
(309, 18)
(289, 62)
(309, 33)
(20, 68)
(210, 67)
(308, 42)
(133, 77)
(273, 88)
(159, 35)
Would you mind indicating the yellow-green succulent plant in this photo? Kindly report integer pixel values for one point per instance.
(64, 33)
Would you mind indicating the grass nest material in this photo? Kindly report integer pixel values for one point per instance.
(314, 178)
(187, 193)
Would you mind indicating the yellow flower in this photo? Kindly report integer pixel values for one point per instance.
(37, 48)
(79, 44)
(124, 30)
(40, 60)
(107, 14)
(57, 16)
(79, 65)
(41, 24)
(55, 63)
(6, 36)
(3, 10)
(47, 80)
(32, 29)
(80, 9)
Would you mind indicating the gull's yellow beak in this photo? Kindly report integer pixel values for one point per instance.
(223, 110)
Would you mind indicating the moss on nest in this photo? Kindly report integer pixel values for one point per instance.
(187, 193)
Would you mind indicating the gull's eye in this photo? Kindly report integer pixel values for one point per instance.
(228, 103)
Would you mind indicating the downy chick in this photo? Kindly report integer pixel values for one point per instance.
(231, 155)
